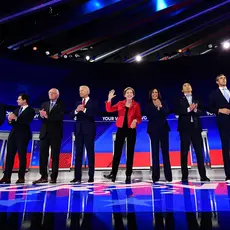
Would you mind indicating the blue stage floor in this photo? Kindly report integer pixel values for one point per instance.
(103, 205)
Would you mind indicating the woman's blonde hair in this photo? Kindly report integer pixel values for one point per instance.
(129, 88)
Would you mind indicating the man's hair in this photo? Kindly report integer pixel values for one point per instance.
(24, 97)
(85, 86)
(219, 75)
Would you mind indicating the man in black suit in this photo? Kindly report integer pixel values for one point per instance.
(85, 133)
(51, 132)
(189, 127)
(219, 104)
(19, 138)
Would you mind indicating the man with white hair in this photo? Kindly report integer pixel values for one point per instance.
(51, 132)
(85, 133)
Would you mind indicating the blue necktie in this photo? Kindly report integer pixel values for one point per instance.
(20, 111)
(51, 105)
(226, 94)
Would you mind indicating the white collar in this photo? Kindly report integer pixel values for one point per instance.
(24, 107)
(223, 87)
(86, 99)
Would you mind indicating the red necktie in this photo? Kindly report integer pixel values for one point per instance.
(83, 102)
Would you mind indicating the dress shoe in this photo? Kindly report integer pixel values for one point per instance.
(128, 180)
(75, 181)
(20, 181)
(41, 181)
(170, 180)
(204, 179)
(110, 177)
(184, 180)
(91, 180)
(5, 181)
(53, 181)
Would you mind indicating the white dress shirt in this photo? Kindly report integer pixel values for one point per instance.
(23, 108)
(189, 98)
(224, 90)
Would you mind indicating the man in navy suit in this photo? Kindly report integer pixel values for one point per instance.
(85, 133)
(189, 127)
(219, 104)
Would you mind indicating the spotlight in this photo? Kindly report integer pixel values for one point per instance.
(65, 56)
(87, 58)
(35, 48)
(180, 51)
(138, 58)
(47, 52)
(210, 46)
(226, 45)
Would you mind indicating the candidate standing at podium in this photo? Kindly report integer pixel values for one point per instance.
(158, 129)
(85, 133)
(51, 133)
(220, 105)
(129, 115)
(19, 138)
(189, 110)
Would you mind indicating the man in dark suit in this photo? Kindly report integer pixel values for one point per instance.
(19, 138)
(85, 133)
(189, 127)
(219, 104)
(51, 132)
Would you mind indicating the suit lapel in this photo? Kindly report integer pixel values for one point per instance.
(221, 95)
(185, 100)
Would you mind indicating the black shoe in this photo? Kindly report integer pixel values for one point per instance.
(128, 180)
(110, 177)
(75, 181)
(20, 181)
(204, 179)
(184, 180)
(91, 180)
(41, 181)
(5, 181)
(170, 180)
(53, 181)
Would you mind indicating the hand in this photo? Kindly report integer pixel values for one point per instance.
(192, 107)
(158, 103)
(80, 108)
(224, 111)
(43, 113)
(111, 95)
(12, 117)
(133, 124)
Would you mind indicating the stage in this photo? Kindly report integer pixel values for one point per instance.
(107, 205)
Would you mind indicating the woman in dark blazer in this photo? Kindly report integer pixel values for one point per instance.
(129, 115)
(158, 129)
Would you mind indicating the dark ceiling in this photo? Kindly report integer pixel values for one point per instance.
(114, 30)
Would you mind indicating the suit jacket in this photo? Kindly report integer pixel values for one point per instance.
(85, 122)
(2, 113)
(133, 113)
(184, 120)
(157, 122)
(53, 125)
(21, 126)
(217, 101)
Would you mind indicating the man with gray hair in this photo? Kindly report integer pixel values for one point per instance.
(51, 132)
(85, 133)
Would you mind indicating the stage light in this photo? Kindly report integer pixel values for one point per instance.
(226, 45)
(210, 46)
(138, 58)
(87, 58)
(161, 4)
(35, 48)
(47, 52)
(65, 56)
(180, 51)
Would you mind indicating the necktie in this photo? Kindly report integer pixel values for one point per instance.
(51, 105)
(20, 111)
(83, 102)
(226, 94)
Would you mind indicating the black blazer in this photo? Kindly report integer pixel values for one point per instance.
(21, 127)
(85, 122)
(217, 101)
(157, 121)
(184, 119)
(2, 113)
(53, 125)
